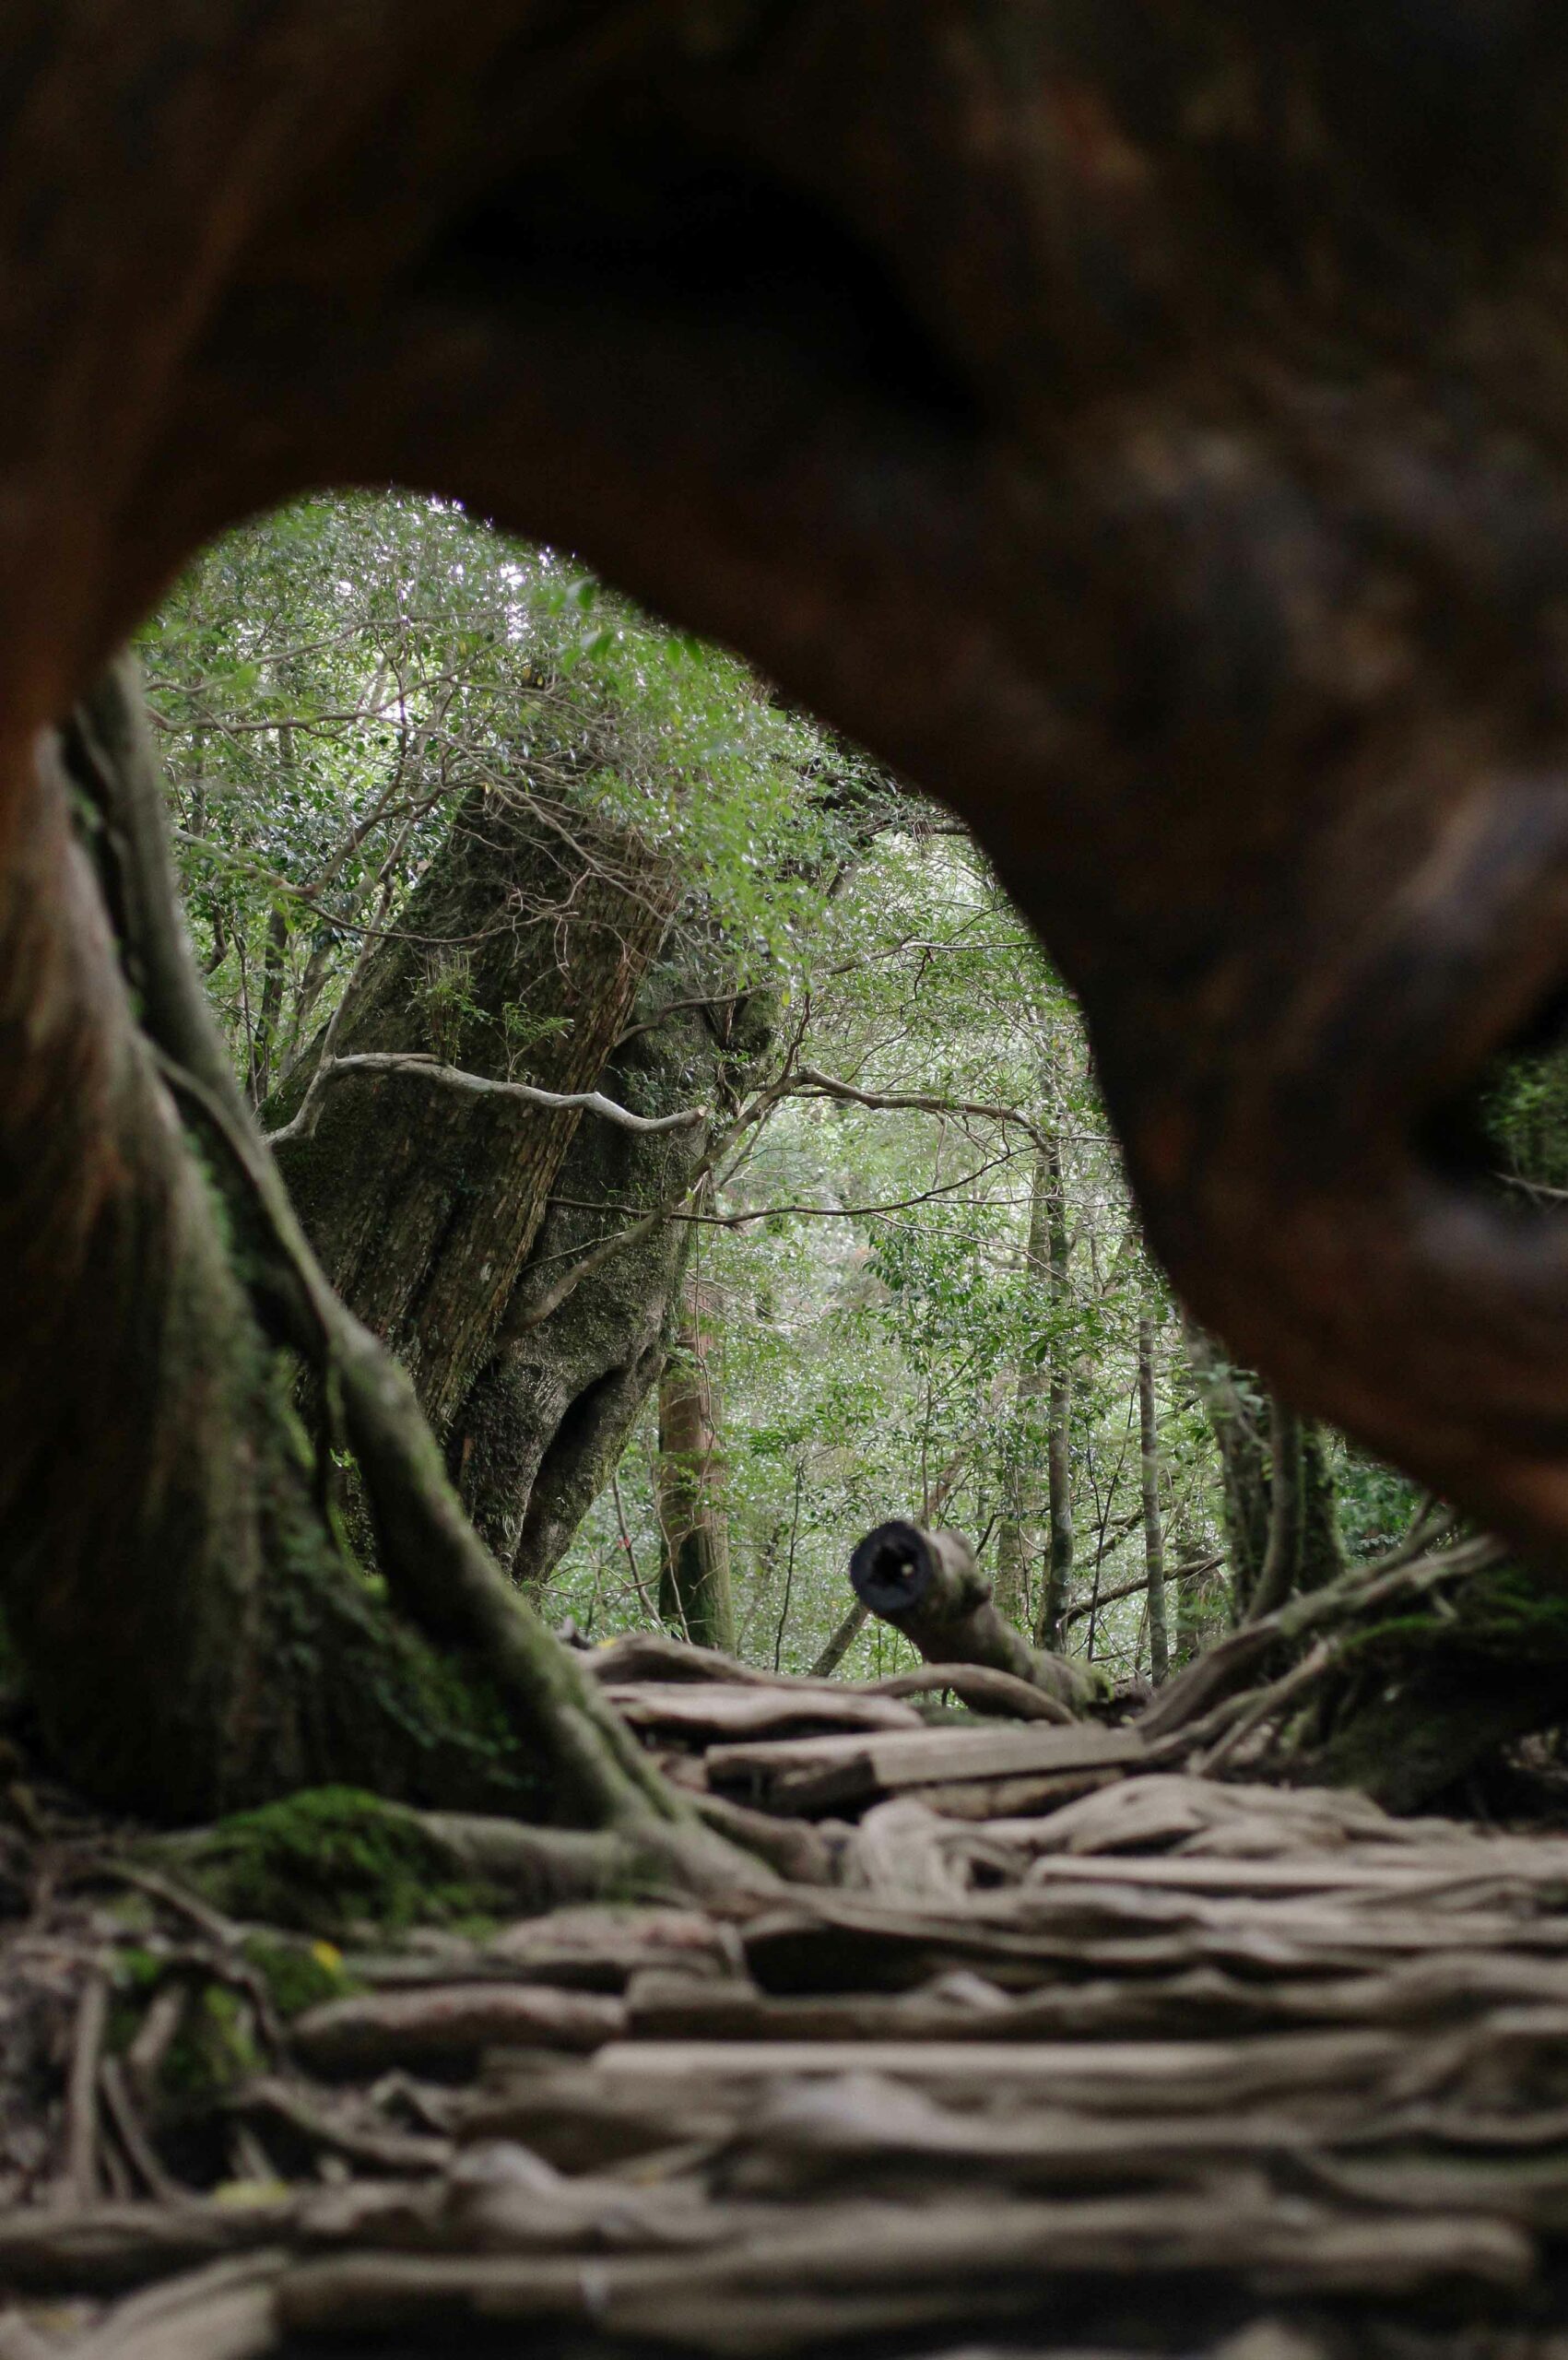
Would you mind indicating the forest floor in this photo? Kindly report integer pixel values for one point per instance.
(1040, 2047)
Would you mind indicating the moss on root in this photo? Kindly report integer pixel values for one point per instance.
(1504, 1614)
(214, 2051)
(1424, 1696)
(300, 1974)
(327, 1861)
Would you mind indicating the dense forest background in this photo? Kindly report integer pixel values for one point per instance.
(898, 1271)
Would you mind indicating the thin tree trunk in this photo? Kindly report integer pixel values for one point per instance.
(263, 1040)
(1058, 1459)
(843, 1638)
(694, 1582)
(1154, 1528)
(1102, 1538)
(1018, 1532)
(782, 1624)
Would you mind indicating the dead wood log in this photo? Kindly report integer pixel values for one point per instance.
(388, 2028)
(103, 2246)
(796, 2285)
(929, 1586)
(643, 1657)
(815, 1775)
(683, 1709)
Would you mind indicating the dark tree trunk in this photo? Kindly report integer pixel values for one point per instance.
(1018, 1534)
(1058, 1448)
(263, 1040)
(262, 1059)
(1281, 1571)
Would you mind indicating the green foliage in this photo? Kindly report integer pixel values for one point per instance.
(875, 1309)
(332, 681)
(1376, 1503)
(1524, 1119)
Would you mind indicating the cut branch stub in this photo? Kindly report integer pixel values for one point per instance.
(929, 1586)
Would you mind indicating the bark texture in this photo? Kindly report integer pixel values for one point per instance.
(556, 1407)
(1043, 1445)
(227, 1647)
(1018, 1532)
(540, 946)
(518, 958)
(1059, 1438)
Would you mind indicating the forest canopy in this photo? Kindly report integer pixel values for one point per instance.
(906, 1268)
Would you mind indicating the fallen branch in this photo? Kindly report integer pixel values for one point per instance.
(381, 2029)
(843, 1638)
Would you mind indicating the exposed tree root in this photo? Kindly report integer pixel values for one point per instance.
(1415, 1670)
(1184, 2067)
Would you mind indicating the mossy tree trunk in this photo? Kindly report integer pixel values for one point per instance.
(1050, 1181)
(541, 947)
(694, 1581)
(1419, 1702)
(226, 1648)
